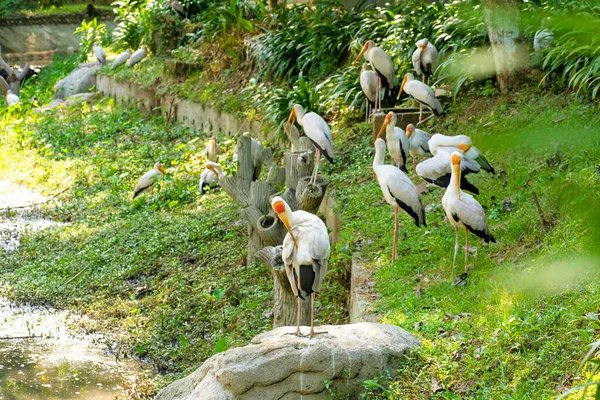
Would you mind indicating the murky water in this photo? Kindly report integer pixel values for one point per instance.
(40, 358)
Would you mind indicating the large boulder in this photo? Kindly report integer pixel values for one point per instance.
(81, 80)
(278, 365)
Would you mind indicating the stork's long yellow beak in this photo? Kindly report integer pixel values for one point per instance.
(284, 219)
(386, 122)
(161, 169)
(456, 168)
(362, 51)
(212, 169)
(291, 120)
(401, 88)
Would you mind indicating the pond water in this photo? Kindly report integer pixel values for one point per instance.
(40, 356)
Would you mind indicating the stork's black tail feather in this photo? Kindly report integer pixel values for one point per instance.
(307, 278)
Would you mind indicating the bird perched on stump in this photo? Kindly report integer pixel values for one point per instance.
(305, 254)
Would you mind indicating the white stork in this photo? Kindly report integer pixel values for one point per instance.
(397, 141)
(398, 191)
(10, 98)
(305, 254)
(425, 59)
(121, 59)
(472, 153)
(418, 143)
(422, 94)
(317, 130)
(368, 83)
(99, 53)
(463, 211)
(210, 176)
(212, 150)
(138, 56)
(382, 64)
(437, 170)
(148, 179)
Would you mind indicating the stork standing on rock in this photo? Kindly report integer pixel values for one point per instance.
(382, 64)
(463, 211)
(305, 254)
(397, 141)
(317, 130)
(121, 59)
(425, 59)
(149, 178)
(398, 191)
(423, 94)
(99, 53)
(138, 56)
(368, 83)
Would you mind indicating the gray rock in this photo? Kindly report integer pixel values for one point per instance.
(81, 80)
(281, 366)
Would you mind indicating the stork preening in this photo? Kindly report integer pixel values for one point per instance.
(368, 83)
(396, 139)
(398, 190)
(437, 170)
(471, 153)
(463, 211)
(138, 56)
(418, 141)
(212, 150)
(210, 176)
(305, 254)
(10, 98)
(149, 178)
(317, 130)
(382, 65)
(99, 53)
(121, 59)
(425, 59)
(423, 94)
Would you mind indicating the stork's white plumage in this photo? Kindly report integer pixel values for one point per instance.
(212, 150)
(138, 56)
(148, 179)
(121, 59)
(418, 141)
(463, 211)
(437, 170)
(422, 93)
(438, 141)
(368, 83)
(305, 253)
(425, 59)
(99, 53)
(396, 139)
(317, 130)
(10, 98)
(543, 39)
(398, 191)
(210, 175)
(381, 64)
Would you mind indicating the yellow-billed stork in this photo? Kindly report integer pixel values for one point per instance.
(425, 59)
(99, 53)
(368, 83)
(383, 66)
(212, 150)
(138, 56)
(210, 175)
(148, 179)
(418, 143)
(438, 141)
(121, 59)
(396, 139)
(422, 93)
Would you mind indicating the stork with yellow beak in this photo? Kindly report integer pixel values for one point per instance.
(368, 84)
(423, 94)
(451, 143)
(418, 141)
(463, 211)
(305, 254)
(425, 59)
(397, 141)
(437, 169)
(210, 176)
(317, 130)
(149, 178)
(212, 150)
(382, 65)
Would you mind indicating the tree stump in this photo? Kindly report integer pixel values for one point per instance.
(265, 230)
(13, 79)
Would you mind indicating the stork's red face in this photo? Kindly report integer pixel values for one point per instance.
(409, 131)
(464, 147)
(386, 122)
(279, 207)
(161, 169)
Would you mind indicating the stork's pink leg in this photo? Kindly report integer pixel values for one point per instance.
(466, 249)
(455, 247)
(420, 112)
(298, 316)
(378, 99)
(313, 178)
(395, 247)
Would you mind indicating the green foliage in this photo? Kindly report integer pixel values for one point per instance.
(229, 18)
(11, 7)
(130, 27)
(91, 32)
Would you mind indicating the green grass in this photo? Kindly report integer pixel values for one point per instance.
(531, 299)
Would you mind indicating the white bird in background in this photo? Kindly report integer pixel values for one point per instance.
(305, 254)
(543, 39)
(368, 83)
(99, 53)
(148, 179)
(463, 211)
(398, 191)
(317, 130)
(418, 143)
(177, 7)
(212, 150)
(422, 94)
(10, 98)
(452, 143)
(210, 175)
(397, 141)
(138, 56)
(257, 160)
(382, 64)
(437, 170)
(121, 59)
(425, 59)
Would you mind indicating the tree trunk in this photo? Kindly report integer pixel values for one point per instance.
(502, 19)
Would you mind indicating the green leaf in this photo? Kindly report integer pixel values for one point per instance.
(219, 294)
(221, 345)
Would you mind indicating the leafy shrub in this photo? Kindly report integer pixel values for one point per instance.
(229, 18)
(91, 32)
(10, 7)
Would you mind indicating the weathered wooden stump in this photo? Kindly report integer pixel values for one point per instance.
(265, 230)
